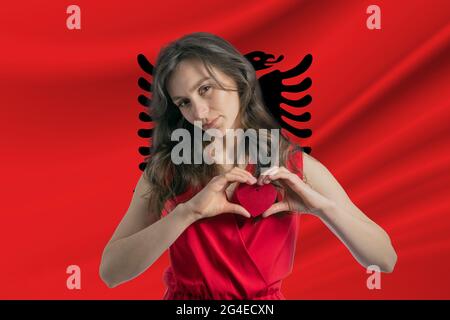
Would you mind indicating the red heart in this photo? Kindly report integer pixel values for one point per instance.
(255, 198)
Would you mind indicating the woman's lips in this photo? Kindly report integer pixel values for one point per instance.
(212, 124)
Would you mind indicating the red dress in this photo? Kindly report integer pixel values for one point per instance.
(231, 257)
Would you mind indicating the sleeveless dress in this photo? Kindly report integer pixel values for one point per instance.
(230, 257)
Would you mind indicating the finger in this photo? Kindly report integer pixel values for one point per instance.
(239, 176)
(293, 175)
(248, 176)
(271, 170)
(223, 181)
(231, 178)
(275, 208)
(238, 170)
(291, 179)
(265, 178)
(237, 209)
(260, 180)
(264, 173)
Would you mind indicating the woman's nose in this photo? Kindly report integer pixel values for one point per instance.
(199, 110)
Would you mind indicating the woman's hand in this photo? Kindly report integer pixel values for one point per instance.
(297, 195)
(212, 199)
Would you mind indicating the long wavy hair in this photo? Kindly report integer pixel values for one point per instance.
(167, 179)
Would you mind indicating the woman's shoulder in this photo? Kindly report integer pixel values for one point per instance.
(314, 171)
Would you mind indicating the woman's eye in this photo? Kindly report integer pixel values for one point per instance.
(204, 89)
(181, 105)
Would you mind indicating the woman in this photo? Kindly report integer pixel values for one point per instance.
(217, 250)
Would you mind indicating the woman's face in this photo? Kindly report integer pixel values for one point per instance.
(200, 98)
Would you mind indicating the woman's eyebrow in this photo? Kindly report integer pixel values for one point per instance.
(193, 87)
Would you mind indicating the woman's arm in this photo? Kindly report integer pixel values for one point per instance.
(324, 197)
(139, 240)
(367, 241)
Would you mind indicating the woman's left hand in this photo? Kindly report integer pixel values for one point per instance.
(298, 196)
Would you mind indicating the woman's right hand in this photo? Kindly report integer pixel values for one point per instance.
(212, 199)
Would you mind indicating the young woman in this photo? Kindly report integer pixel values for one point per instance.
(217, 249)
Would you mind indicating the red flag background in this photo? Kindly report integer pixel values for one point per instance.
(69, 146)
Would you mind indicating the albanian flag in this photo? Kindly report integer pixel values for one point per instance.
(362, 85)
